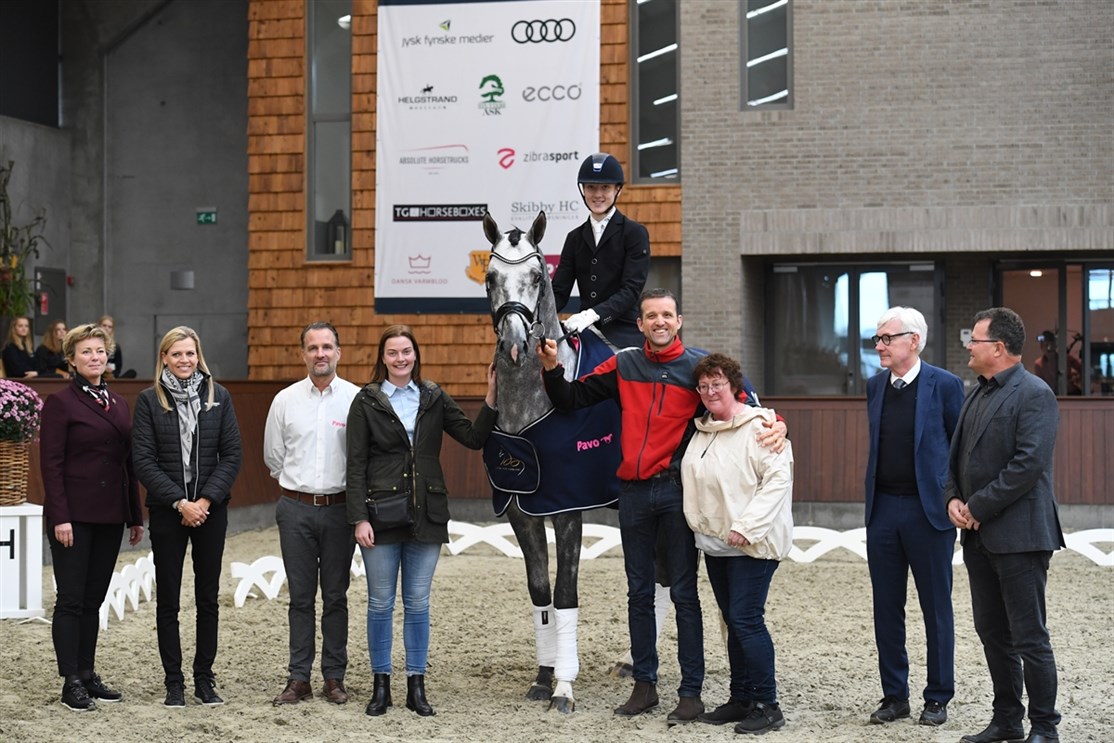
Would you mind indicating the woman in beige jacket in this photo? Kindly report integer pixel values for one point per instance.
(738, 501)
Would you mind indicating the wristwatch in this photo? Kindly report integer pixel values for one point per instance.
(178, 505)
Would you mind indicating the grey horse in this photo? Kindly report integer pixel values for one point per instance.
(523, 312)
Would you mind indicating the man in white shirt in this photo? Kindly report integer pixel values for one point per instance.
(304, 446)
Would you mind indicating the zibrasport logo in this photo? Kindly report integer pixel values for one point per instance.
(536, 32)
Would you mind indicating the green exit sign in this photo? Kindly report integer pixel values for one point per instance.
(207, 215)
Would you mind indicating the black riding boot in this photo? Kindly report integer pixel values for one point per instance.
(415, 696)
(380, 695)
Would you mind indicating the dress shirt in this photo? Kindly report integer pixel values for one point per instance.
(304, 442)
(598, 226)
(908, 376)
(405, 401)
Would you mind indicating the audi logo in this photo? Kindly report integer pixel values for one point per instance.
(535, 32)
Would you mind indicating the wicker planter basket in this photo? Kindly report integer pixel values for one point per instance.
(14, 469)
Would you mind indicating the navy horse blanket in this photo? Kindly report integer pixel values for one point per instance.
(562, 461)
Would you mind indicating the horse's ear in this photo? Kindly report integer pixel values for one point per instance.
(491, 230)
(537, 230)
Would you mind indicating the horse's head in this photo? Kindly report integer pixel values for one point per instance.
(518, 288)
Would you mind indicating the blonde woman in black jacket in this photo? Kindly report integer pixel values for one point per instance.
(186, 449)
(395, 428)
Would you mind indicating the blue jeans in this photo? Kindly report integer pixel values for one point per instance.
(417, 561)
(1007, 599)
(649, 509)
(741, 585)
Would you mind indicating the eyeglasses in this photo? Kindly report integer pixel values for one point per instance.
(707, 389)
(888, 338)
(980, 340)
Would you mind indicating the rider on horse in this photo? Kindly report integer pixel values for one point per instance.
(608, 257)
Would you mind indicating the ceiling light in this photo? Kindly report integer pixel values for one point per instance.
(657, 53)
(766, 9)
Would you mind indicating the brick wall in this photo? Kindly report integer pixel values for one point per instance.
(286, 290)
(979, 114)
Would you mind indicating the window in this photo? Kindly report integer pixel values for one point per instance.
(1069, 322)
(655, 91)
(823, 316)
(766, 56)
(329, 136)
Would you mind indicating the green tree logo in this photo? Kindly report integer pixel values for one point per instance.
(492, 88)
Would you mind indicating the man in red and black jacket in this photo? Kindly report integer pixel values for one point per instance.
(655, 391)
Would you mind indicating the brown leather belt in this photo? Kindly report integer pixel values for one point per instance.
(315, 499)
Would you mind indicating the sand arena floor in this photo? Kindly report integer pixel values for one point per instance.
(482, 661)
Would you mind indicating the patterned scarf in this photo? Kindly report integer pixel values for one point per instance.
(98, 392)
(188, 403)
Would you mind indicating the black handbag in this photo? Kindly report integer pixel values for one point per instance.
(390, 511)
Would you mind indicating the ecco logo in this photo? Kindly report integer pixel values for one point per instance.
(552, 93)
(551, 30)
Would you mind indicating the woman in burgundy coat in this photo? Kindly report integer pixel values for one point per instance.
(91, 495)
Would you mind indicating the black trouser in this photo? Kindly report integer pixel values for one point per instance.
(168, 541)
(83, 573)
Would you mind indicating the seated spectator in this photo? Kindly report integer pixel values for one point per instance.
(19, 350)
(49, 359)
(116, 357)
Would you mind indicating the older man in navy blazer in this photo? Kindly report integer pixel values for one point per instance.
(912, 409)
(999, 492)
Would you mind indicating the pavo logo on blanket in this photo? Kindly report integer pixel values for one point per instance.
(594, 443)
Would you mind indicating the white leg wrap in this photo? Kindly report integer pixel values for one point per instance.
(662, 602)
(545, 635)
(568, 661)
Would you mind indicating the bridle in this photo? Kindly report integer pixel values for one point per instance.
(535, 328)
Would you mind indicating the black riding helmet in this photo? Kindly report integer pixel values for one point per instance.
(600, 168)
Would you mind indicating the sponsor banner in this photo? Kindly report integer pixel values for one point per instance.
(480, 106)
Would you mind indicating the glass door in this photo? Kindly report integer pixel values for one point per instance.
(823, 316)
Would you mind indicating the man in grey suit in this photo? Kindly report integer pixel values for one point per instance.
(999, 493)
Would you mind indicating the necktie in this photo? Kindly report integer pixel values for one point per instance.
(899, 383)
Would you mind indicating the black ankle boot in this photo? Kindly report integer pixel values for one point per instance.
(380, 695)
(415, 696)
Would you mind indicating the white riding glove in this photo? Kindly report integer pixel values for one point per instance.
(580, 321)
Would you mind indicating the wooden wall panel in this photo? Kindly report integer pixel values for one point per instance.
(251, 400)
(829, 438)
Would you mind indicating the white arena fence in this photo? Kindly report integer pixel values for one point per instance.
(266, 576)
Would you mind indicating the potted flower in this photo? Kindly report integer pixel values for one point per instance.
(20, 413)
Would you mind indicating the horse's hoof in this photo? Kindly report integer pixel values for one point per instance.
(564, 705)
(539, 693)
(621, 670)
